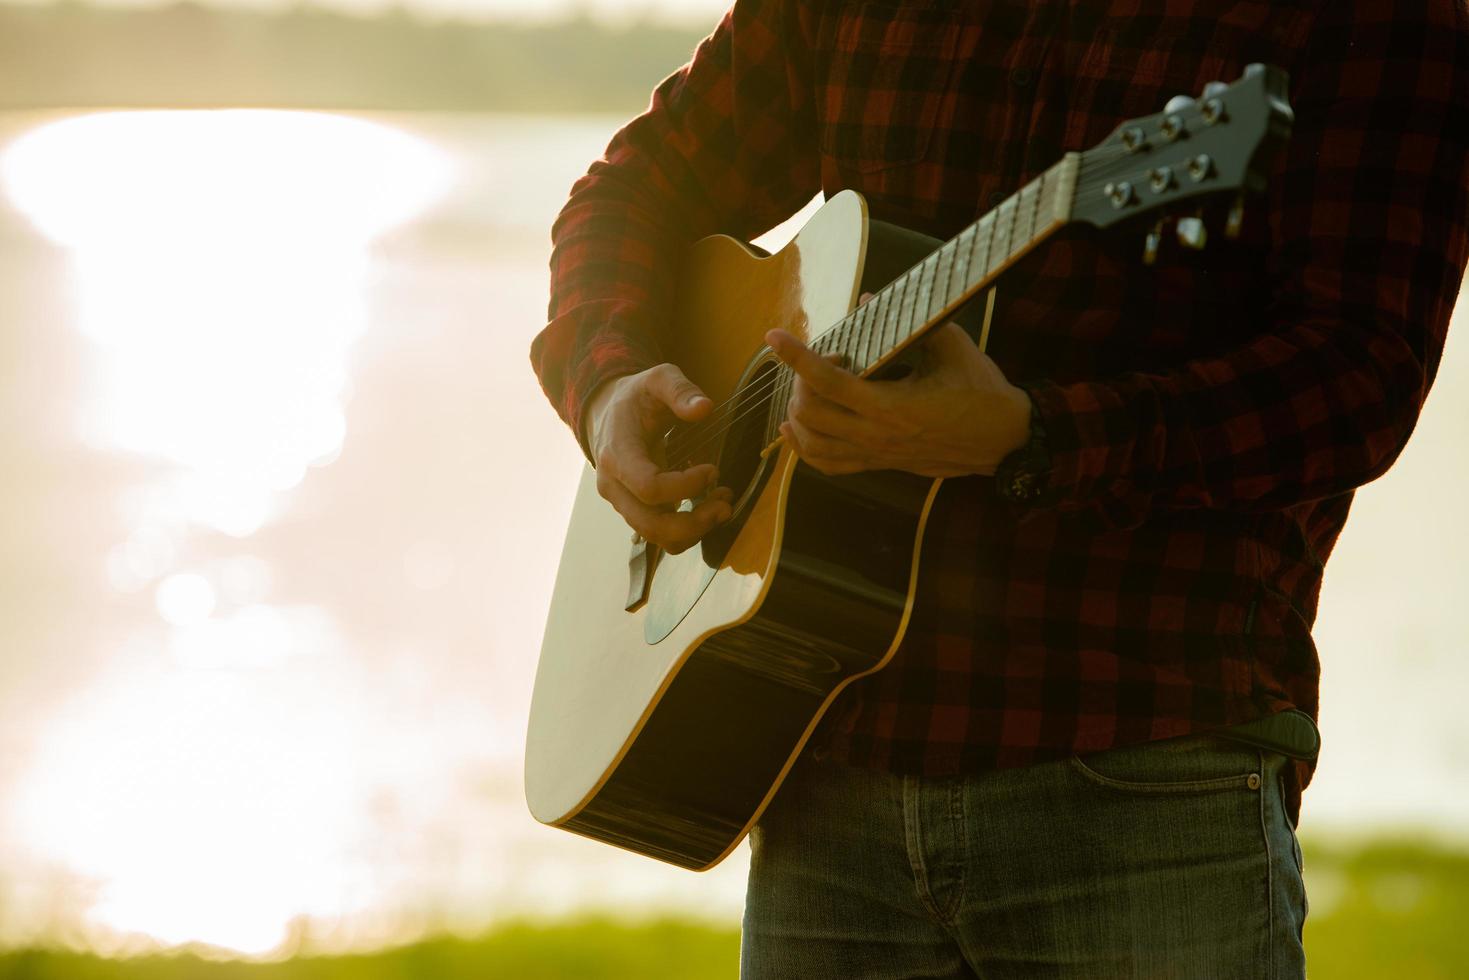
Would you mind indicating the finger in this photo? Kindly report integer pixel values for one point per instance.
(631, 465)
(672, 530)
(834, 383)
(823, 451)
(670, 386)
(950, 337)
(822, 454)
(812, 411)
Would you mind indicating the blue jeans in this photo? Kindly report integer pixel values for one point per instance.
(1172, 859)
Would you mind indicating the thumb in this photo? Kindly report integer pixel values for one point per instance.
(951, 339)
(671, 387)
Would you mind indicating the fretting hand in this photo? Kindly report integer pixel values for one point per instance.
(954, 415)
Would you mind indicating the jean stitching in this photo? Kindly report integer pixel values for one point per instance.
(956, 819)
(913, 834)
(1269, 875)
(1214, 784)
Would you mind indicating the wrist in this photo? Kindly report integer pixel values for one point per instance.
(1020, 417)
(1023, 476)
(595, 408)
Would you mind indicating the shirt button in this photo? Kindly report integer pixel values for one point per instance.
(1021, 77)
(1253, 782)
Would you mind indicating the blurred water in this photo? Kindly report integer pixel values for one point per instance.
(311, 725)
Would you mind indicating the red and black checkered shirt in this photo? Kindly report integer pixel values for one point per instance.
(1208, 416)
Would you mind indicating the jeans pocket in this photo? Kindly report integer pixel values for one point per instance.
(1192, 764)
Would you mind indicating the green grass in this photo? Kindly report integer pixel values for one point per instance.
(591, 949)
(1388, 909)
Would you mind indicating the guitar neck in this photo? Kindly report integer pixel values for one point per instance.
(929, 293)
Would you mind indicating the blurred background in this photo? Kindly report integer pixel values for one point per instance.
(284, 503)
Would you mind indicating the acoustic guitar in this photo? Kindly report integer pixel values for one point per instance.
(675, 691)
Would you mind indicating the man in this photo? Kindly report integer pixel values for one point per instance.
(1077, 763)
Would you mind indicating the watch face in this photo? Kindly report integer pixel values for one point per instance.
(1025, 485)
(1023, 475)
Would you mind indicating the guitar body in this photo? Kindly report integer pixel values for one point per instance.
(668, 728)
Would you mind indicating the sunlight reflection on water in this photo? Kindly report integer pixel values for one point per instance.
(220, 264)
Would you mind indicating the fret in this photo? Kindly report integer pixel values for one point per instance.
(890, 323)
(903, 329)
(925, 295)
(853, 348)
(1024, 219)
(1042, 192)
(941, 295)
(841, 337)
(882, 302)
(960, 274)
(984, 247)
(1004, 225)
(864, 337)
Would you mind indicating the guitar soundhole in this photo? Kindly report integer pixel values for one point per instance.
(741, 468)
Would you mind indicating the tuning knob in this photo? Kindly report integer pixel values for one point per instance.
(1152, 241)
(1192, 232)
(1119, 193)
(1179, 103)
(1214, 88)
(1236, 218)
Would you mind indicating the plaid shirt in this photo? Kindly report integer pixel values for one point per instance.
(1208, 416)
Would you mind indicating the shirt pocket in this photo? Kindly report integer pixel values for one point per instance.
(885, 74)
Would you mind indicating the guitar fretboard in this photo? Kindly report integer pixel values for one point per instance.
(927, 294)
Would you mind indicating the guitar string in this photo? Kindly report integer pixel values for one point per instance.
(745, 401)
(754, 398)
(1098, 179)
(742, 404)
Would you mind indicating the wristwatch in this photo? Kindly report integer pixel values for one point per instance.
(1023, 476)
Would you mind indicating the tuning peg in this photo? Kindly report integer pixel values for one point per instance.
(1236, 217)
(1179, 103)
(1214, 88)
(1152, 241)
(1192, 233)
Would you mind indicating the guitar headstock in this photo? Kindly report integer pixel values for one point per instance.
(1221, 142)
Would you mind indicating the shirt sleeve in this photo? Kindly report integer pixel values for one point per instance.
(1368, 233)
(725, 146)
